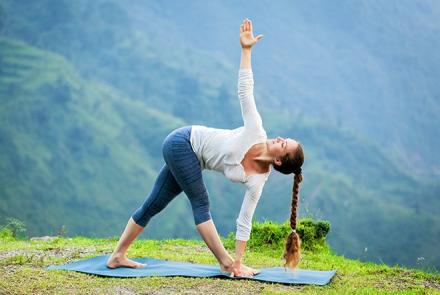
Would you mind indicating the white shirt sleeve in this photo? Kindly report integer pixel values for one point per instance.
(250, 201)
(251, 117)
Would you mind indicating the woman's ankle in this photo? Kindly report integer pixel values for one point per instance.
(118, 255)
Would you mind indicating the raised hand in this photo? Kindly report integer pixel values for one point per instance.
(247, 39)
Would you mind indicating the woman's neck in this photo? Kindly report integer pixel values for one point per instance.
(264, 156)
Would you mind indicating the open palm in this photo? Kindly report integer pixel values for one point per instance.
(247, 39)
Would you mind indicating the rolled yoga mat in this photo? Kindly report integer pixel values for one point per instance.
(97, 266)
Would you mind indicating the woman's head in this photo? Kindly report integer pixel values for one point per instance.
(289, 157)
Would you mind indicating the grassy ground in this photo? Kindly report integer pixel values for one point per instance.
(23, 263)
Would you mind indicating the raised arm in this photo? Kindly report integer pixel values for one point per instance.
(251, 118)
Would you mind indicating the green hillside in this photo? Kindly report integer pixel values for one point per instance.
(367, 66)
(72, 150)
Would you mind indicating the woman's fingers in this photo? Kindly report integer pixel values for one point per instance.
(246, 274)
(250, 24)
(245, 28)
(259, 37)
(241, 28)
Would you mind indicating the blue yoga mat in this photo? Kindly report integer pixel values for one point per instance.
(163, 268)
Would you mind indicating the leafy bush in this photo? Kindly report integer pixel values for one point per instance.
(6, 234)
(13, 229)
(273, 235)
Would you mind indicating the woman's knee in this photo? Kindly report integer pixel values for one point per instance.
(200, 208)
(202, 215)
(140, 218)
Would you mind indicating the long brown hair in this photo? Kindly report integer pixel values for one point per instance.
(292, 251)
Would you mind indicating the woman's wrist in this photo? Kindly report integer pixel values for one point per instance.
(245, 61)
(227, 261)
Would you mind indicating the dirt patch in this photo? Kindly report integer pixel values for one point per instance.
(394, 283)
(44, 238)
(217, 286)
(122, 291)
(403, 280)
(39, 257)
(9, 268)
(70, 253)
(430, 283)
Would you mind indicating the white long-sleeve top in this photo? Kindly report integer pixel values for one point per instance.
(223, 150)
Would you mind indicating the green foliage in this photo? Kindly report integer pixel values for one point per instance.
(13, 229)
(268, 233)
(273, 235)
(6, 234)
(313, 233)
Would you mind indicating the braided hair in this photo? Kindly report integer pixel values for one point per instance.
(289, 165)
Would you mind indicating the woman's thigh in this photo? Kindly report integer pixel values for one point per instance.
(185, 167)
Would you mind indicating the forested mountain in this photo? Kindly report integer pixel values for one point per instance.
(90, 89)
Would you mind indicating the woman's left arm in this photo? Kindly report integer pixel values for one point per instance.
(251, 118)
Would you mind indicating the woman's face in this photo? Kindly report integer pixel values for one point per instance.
(279, 147)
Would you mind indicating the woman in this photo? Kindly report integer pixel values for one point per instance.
(243, 155)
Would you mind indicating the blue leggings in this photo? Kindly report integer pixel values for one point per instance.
(181, 172)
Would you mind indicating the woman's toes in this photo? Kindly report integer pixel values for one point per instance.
(124, 262)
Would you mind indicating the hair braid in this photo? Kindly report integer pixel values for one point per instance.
(295, 191)
(292, 252)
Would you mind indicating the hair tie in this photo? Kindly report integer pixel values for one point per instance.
(297, 171)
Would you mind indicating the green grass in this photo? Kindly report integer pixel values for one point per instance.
(23, 263)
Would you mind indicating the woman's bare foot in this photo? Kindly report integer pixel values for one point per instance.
(237, 269)
(115, 262)
(248, 270)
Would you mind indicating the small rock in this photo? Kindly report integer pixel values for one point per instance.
(44, 238)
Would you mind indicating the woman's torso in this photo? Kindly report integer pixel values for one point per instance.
(224, 150)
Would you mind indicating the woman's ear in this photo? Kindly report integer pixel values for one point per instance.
(277, 161)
